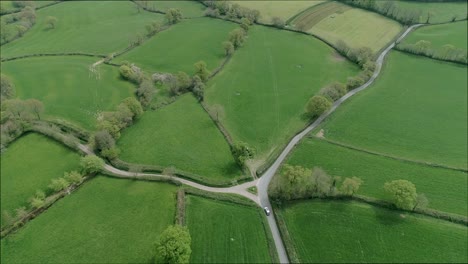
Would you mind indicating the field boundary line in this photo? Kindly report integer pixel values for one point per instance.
(424, 163)
(51, 55)
(286, 237)
(432, 58)
(291, 19)
(14, 11)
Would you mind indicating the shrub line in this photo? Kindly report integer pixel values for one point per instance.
(13, 11)
(285, 236)
(180, 213)
(399, 48)
(52, 54)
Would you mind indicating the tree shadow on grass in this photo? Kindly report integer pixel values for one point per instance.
(231, 168)
(389, 217)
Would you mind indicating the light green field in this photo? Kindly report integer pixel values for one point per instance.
(105, 221)
(358, 28)
(346, 232)
(188, 8)
(416, 110)
(29, 164)
(263, 90)
(8, 5)
(445, 189)
(439, 35)
(161, 53)
(441, 12)
(180, 135)
(98, 27)
(225, 233)
(281, 9)
(73, 93)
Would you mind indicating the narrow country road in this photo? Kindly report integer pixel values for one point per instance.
(263, 182)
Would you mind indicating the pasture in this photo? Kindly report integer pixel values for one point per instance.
(100, 27)
(445, 189)
(261, 93)
(106, 221)
(356, 27)
(181, 135)
(282, 9)
(439, 35)
(74, 93)
(29, 164)
(225, 232)
(188, 8)
(162, 55)
(416, 110)
(439, 12)
(348, 232)
(8, 5)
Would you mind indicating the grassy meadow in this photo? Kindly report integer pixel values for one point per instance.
(98, 27)
(73, 93)
(261, 94)
(106, 221)
(188, 8)
(225, 232)
(162, 55)
(416, 110)
(29, 164)
(445, 189)
(440, 12)
(180, 135)
(348, 232)
(8, 5)
(439, 35)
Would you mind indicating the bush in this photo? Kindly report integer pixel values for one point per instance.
(173, 16)
(103, 140)
(73, 177)
(58, 184)
(228, 48)
(334, 91)
(237, 37)
(242, 152)
(317, 105)
(278, 22)
(145, 93)
(111, 153)
(91, 164)
(36, 203)
(403, 193)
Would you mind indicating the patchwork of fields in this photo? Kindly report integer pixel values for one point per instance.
(439, 35)
(438, 12)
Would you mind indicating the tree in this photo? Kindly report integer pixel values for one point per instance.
(36, 203)
(173, 16)
(322, 182)
(73, 177)
(15, 108)
(228, 47)
(7, 89)
(134, 106)
(317, 105)
(51, 21)
(145, 93)
(35, 106)
(245, 24)
(40, 195)
(21, 212)
(242, 152)
(58, 184)
(103, 140)
(237, 37)
(183, 81)
(350, 186)
(201, 70)
(7, 219)
(91, 164)
(278, 22)
(334, 91)
(421, 201)
(403, 193)
(198, 88)
(174, 245)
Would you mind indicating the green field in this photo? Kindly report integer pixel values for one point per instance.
(445, 189)
(440, 12)
(263, 90)
(180, 135)
(357, 28)
(346, 232)
(99, 27)
(105, 221)
(225, 232)
(161, 54)
(188, 8)
(73, 93)
(29, 164)
(281, 9)
(439, 35)
(417, 110)
(8, 5)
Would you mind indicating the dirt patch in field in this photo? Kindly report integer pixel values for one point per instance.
(320, 134)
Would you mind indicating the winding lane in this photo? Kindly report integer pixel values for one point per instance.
(263, 182)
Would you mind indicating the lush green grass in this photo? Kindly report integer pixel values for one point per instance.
(358, 28)
(8, 5)
(188, 8)
(161, 53)
(346, 232)
(225, 232)
(105, 221)
(180, 135)
(445, 189)
(441, 12)
(454, 34)
(73, 92)
(29, 164)
(281, 9)
(98, 27)
(263, 90)
(417, 109)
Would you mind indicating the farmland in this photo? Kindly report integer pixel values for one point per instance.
(439, 12)
(119, 21)
(160, 138)
(346, 232)
(266, 108)
(446, 190)
(8, 5)
(188, 8)
(439, 35)
(74, 94)
(29, 164)
(96, 224)
(405, 112)
(236, 234)
(160, 53)
(331, 22)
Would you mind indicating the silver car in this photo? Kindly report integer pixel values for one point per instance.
(267, 211)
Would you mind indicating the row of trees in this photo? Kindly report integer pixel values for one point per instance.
(447, 52)
(236, 37)
(230, 10)
(15, 25)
